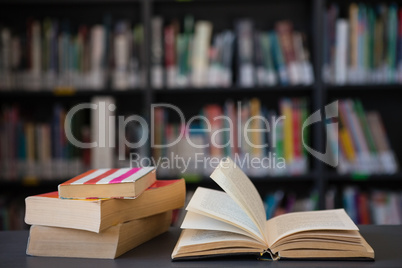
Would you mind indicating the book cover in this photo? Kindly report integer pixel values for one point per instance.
(109, 183)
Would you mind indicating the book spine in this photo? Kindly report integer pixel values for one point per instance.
(246, 72)
(157, 52)
(286, 110)
(202, 39)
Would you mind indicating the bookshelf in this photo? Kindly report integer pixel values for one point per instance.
(306, 15)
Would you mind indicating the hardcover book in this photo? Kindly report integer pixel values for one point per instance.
(234, 222)
(96, 215)
(109, 183)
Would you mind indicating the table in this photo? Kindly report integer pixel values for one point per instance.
(385, 240)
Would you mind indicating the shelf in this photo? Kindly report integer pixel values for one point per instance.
(364, 87)
(232, 90)
(205, 179)
(68, 93)
(30, 184)
(335, 177)
(212, 1)
(63, 2)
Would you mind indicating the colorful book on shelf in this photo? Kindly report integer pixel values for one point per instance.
(200, 50)
(111, 243)
(367, 44)
(386, 155)
(363, 143)
(284, 30)
(96, 215)
(157, 53)
(170, 55)
(234, 222)
(245, 52)
(109, 183)
(288, 130)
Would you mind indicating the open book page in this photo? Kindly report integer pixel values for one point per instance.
(348, 236)
(239, 187)
(200, 222)
(221, 206)
(283, 225)
(202, 240)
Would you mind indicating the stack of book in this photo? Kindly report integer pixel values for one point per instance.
(193, 57)
(246, 131)
(366, 47)
(54, 54)
(363, 143)
(102, 213)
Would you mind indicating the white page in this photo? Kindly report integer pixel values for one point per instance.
(221, 206)
(239, 187)
(201, 222)
(283, 225)
(198, 237)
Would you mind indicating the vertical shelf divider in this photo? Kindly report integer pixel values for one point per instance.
(146, 8)
(318, 98)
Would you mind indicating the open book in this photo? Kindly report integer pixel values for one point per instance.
(234, 222)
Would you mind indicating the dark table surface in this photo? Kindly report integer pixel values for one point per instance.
(385, 240)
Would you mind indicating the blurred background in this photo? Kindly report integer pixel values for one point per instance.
(239, 59)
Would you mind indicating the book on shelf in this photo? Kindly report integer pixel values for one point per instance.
(196, 56)
(54, 55)
(103, 132)
(96, 215)
(278, 141)
(245, 34)
(363, 143)
(234, 222)
(281, 202)
(375, 206)
(363, 47)
(157, 53)
(109, 183)
(200, 53)
(38, 148)
(109, 244)
(11, 212)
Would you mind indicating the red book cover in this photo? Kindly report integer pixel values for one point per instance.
(285, 35)
(363, 208)
(211, 112)
(296, 114)
(170, 48)
(109, 176)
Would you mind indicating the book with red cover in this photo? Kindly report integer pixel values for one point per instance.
(109, 183)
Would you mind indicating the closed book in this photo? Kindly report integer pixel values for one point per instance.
(170, 55)
(341, 55)
(111, 243)
(286, 110)
(245, 52)
(157, 52)
(202, 39)
(284, 30)
(96, 215)
(109, 183)
(103, 132)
